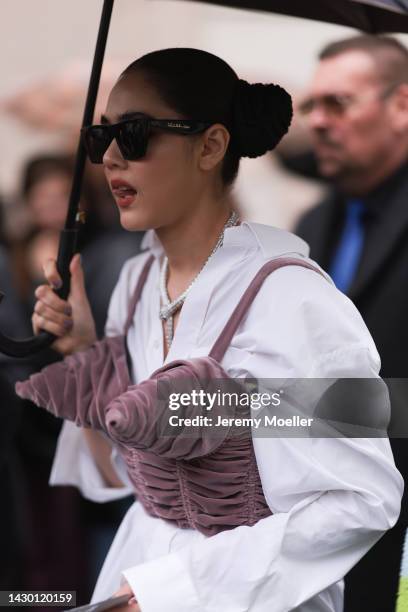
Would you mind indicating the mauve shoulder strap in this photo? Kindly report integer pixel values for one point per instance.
(138, 292)
(223, 341)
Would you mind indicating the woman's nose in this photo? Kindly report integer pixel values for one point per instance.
(113, 157)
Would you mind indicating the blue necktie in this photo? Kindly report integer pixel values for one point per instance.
(347, 256)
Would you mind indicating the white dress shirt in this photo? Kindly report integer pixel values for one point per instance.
(331, 499)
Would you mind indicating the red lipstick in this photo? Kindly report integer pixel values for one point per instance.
(123, 192)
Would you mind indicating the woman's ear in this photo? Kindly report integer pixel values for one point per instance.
(214, 144)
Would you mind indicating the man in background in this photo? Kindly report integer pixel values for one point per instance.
(357, 111)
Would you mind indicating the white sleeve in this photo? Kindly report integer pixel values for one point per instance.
(331, 499)
(73, 462)
(74, 465)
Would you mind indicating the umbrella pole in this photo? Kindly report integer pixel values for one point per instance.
(68, 237)
(69, 234)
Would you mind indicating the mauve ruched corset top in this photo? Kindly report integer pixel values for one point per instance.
(198, 480)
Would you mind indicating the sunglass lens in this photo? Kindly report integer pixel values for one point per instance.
(97, 140)
(132, 140)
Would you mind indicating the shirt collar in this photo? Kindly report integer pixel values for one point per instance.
(272, 241)
(151, 241)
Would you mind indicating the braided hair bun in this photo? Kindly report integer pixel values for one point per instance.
(261, 117)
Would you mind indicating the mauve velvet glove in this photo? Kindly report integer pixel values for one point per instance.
(80, 387)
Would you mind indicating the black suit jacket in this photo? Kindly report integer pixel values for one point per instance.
(379, 289)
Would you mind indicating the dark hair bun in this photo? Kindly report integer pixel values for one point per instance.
(262, 115)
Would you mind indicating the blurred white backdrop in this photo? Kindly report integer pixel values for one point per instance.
(46, 43)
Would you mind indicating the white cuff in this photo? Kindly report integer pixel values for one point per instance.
(74, 465)
(163, 584)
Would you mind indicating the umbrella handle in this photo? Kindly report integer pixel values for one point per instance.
(30, 346)
(68, 237)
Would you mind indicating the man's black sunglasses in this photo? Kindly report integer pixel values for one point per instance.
(132, 135)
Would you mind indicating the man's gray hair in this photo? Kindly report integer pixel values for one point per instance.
(390, 56)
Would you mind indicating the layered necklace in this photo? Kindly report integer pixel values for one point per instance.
(168, 308)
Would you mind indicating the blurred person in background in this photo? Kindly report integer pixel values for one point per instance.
(357, 112)
(45, 189)
(12, 510)
(49, 560)
(12, 515)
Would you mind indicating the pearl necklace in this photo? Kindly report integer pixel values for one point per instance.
(169, 308)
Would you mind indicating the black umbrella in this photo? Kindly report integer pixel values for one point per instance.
(372, 16)
(368, 15)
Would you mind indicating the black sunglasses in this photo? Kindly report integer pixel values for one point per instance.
(132, 135)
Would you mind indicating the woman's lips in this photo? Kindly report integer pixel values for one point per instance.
(123, 193)
(124, 198)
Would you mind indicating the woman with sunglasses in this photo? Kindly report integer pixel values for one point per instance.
(281, 535)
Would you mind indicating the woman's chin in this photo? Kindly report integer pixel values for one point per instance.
(135, 223)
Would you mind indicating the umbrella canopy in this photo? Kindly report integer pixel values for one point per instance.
(372, 16)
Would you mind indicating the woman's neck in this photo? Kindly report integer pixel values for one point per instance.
(188, 242)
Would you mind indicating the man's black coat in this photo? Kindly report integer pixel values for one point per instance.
(380, 292)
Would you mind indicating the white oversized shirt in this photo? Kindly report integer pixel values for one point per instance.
(331, 498)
